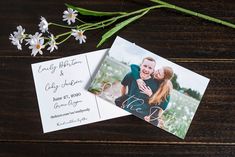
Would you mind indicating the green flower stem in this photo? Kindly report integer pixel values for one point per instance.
(119, 26)
(63, 26)
(109, 21)
(63, 34)
(186, 11)
(102, 25)
(64, 39)
(80, 20)
(83, 25)
(46, 44)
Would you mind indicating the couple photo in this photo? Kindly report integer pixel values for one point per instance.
(145, 91)
(149, 86)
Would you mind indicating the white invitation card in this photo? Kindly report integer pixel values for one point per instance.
(62, 98)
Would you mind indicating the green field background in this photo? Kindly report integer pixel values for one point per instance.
(179, 113)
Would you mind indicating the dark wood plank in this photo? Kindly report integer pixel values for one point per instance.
(96, 149)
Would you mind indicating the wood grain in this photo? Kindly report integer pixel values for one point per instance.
(198, 45)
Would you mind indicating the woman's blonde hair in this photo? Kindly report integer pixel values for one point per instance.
(165, 87)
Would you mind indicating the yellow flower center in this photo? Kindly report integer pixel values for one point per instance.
(38, 46)
(71, 15)
(80, 34)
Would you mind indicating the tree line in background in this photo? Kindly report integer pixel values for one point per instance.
(188, 91)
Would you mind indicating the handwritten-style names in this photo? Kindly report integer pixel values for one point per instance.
(60, 65)
(62, 97)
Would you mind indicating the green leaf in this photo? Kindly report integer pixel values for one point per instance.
(118, 27)
(87, 12)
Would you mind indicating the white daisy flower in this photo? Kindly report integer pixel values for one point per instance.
(52, 44)
(70, 15)
(78, 34)
(43, 25)
(34, 38)
(15, 41)
(19, 34)
(37, 47)
(17, 37)
(36, 43)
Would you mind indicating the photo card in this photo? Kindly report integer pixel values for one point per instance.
(150, 87)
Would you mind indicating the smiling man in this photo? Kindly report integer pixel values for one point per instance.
(136, 101)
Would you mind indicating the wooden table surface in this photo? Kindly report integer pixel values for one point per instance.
(201, 46)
